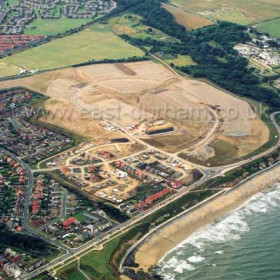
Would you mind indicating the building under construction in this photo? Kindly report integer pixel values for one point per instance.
(163, 128)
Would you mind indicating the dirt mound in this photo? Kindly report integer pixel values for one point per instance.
(152, 89)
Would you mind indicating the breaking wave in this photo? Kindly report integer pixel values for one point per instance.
(196, 259)
(189, 255)
(220, 252)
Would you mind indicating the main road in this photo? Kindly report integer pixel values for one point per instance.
(28, 193)
(208, 173)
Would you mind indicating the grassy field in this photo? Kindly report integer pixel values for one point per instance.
(263, 69)
(232, 16)
(130, 24)
(12, 2)
(8, 69)
(70, 272)
(170, 143)
(271, 27)
(95, 264)
(276, 70)
(239, 11)
(97, 42)
(181, 60)
(53, 26)
(224, 151)
(98, 264)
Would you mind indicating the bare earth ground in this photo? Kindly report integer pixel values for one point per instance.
(120, 150)
(190, 21)
(116, 91)
(168, 237)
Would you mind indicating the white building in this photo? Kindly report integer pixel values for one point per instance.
(122, 174)
(12, 270)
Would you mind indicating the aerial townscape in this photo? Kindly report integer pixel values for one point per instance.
(139, 139)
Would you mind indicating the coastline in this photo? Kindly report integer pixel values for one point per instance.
(168, 237)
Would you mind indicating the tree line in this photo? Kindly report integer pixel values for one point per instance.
(210, 47)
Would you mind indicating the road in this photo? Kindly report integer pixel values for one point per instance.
(165, 64)
(208, 173)
(207, 139)
(64, 203)
(30, 185)
(155, 229)
(28, 193)
(224, 169)
(107, 236)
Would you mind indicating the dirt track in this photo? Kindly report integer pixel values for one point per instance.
(151, 88)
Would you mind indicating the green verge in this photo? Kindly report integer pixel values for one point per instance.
(224, 152)
(103, 264)
(108, 259)
(70, 272)
(270, 27)
(235, 176)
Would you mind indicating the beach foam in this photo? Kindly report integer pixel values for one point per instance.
(184, 266)
(196, 259)
(229, 228)
(220, 252)
(176, 265)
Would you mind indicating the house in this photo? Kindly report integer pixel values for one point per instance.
(12, 270)
(104, 225)
(3, 261)
(35, 207)
(176, 184)
(69, 222)
(122, 174)
(92, 229)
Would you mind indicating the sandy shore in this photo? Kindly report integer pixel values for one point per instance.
(168, 237)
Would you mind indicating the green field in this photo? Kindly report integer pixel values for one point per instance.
(98, 264)
(232, 16)
(131, 24)
(181, 60)
(94, 264)
(8, 70)
(277, 70)
(271, 27)
(70, 272)
(12, 2)
(95, 43)
(53, 26)
(262, 69)
(224, 152)
(238, 11)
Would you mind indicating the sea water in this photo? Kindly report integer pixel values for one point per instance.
(243, 245)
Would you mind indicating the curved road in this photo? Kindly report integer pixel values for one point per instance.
(207, 175)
